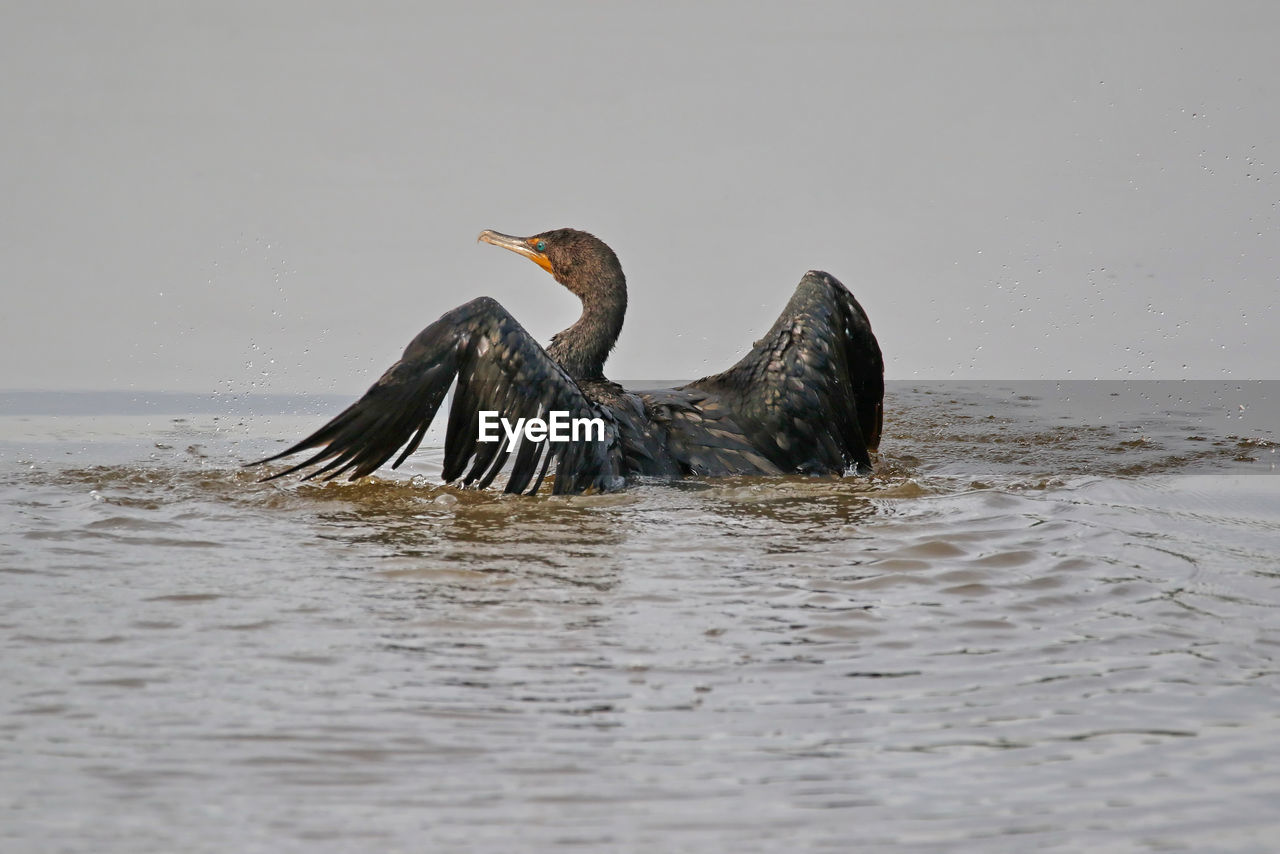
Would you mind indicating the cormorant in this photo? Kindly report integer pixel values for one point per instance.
(807, 398)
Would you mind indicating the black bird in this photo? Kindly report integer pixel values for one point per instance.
(807, 398)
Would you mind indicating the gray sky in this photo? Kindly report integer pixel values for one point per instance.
(277, 196)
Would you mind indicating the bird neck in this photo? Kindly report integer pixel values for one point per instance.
(582, 348)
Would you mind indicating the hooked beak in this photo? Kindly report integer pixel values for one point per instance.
(519, 245)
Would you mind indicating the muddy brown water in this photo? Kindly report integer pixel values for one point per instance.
(1048, 622)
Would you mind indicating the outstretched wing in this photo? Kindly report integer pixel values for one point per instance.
(810, 393)
(499, 367)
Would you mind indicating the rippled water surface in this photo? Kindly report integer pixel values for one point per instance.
(1048, 622)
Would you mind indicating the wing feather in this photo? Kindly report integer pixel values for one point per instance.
(810, 393)
(499, 367)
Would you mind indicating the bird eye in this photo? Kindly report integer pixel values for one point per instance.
(541, 246)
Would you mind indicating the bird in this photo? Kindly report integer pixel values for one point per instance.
(806, 399)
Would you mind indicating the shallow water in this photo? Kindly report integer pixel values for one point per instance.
(1049, 621)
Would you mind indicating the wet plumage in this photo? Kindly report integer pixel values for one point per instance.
(806, 398)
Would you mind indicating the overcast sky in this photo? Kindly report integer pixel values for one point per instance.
(278, 195)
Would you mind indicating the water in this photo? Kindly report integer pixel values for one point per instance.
(1049, 622)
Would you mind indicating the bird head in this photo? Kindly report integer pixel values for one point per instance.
(581, 262)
